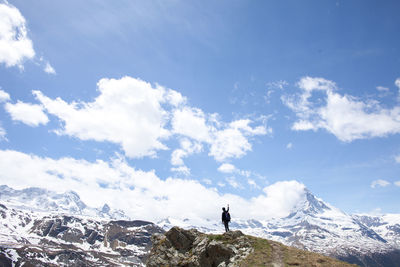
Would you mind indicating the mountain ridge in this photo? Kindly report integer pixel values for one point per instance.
(312, 225)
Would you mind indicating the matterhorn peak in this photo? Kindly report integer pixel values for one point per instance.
(105, 209)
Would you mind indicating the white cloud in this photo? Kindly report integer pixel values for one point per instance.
(150, 198)
(227, 168)
(397, 82)
(221, 184)
(289, 145)
(279, 198)
(139, 117)
(181, 169)
(277, 84)
(375, 212)
(4, 96)
(191, 122)
(226, 140)
(382, 89)
(230, 168)
(27, 113)
(187, 148)
(397, 158)
(233, 141)
(379, 183)
(397, 183)
(252, 183)
(233, 182)
(319, 106)
(207, 181)
(49, 69)
(3, 134)
(128, 112)
(15, 45)
(229, 143)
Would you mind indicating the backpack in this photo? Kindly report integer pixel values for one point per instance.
(228, 217)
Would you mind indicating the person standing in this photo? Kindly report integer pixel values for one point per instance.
(226, 218)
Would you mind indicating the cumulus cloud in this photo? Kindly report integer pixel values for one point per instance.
(4, 96)
(227, 168)
(140, 117)
(320, 106)
(233, 141)
(129, 112)
(142, 194)
(397, 183)
(186, 148)
(226, 140)
(15, 45)
(397, 158)
(27, 113)
(191, 122)
(379, 183)
(284, 194)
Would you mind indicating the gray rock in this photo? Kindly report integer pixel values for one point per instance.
(190, 248)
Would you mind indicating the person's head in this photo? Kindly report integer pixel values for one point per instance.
(223, 209)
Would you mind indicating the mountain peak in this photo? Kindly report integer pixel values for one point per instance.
(308, 205)
(106, 209)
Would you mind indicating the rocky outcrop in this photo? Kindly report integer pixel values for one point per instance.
(179, 247)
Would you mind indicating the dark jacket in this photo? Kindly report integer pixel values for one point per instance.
(225, 216)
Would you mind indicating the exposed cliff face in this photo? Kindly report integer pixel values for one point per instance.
(179, 247)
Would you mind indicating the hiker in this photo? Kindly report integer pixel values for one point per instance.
(226, 218)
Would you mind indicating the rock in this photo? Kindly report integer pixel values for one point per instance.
(181, 240)
(190, 248)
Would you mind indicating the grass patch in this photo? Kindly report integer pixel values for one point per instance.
(261, 255)
(268, 253)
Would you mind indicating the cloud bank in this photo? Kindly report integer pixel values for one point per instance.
(142, 194)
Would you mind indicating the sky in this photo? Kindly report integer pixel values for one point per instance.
(176, 108)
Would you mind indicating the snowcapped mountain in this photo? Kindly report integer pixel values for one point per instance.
(68, 233)
(317, 226)
(42, 200)
(37, 219)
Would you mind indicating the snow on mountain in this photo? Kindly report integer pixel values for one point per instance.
(387, 226)
(312, 224)
(44, 239)
(38, 199)
(318, 226)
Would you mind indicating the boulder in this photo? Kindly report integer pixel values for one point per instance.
(190, 248)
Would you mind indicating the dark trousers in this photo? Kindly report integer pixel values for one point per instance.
(226, 226)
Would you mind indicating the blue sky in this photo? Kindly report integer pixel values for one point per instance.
(215, 101)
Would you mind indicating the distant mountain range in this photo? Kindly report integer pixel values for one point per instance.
(36, 219)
